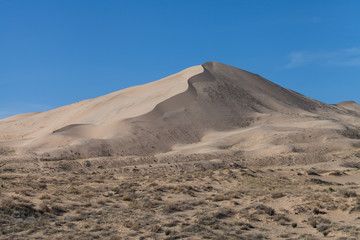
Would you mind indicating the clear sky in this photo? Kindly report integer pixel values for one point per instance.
(57, 52)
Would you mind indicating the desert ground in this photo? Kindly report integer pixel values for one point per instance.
(205, 199)
(212, 152)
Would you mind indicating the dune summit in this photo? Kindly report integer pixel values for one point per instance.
(208, 109)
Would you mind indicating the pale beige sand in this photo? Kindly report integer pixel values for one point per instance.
(212, 108)
(117, 106)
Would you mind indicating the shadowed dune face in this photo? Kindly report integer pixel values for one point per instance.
(181, 114)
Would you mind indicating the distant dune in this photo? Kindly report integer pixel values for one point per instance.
(213, 108)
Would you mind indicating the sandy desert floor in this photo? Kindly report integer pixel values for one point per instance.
(214, 199)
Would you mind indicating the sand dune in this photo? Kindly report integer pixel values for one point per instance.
(211, 152)
(209, 108)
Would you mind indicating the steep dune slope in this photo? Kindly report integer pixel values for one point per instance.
(115, 106)
(201, 109)
(93, 118)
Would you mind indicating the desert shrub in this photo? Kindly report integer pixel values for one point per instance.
(125, 187)
(337, 173)
(318, 211)
(128, 197)
(315, 221)
(6, 151)
(356, 207)
(24, 191)
(352, 133)
(223, 213)
(219, 198)
(101, 201)
(74, 190)
(43, 207)
(281, 219)
(312, 172)
(143, 203)
(261, 209)
(323, 227)
(155, 228)
(45, 196)
(172, 207)
(57, 209)
(321, 182)
(19, 208)
(255, 236)
(132, 224)
(213, 217)
(351, 165)
(244, 226)
(312, 222)
(278, 195)
(348, 193)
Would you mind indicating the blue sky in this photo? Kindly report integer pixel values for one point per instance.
(58, 52)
